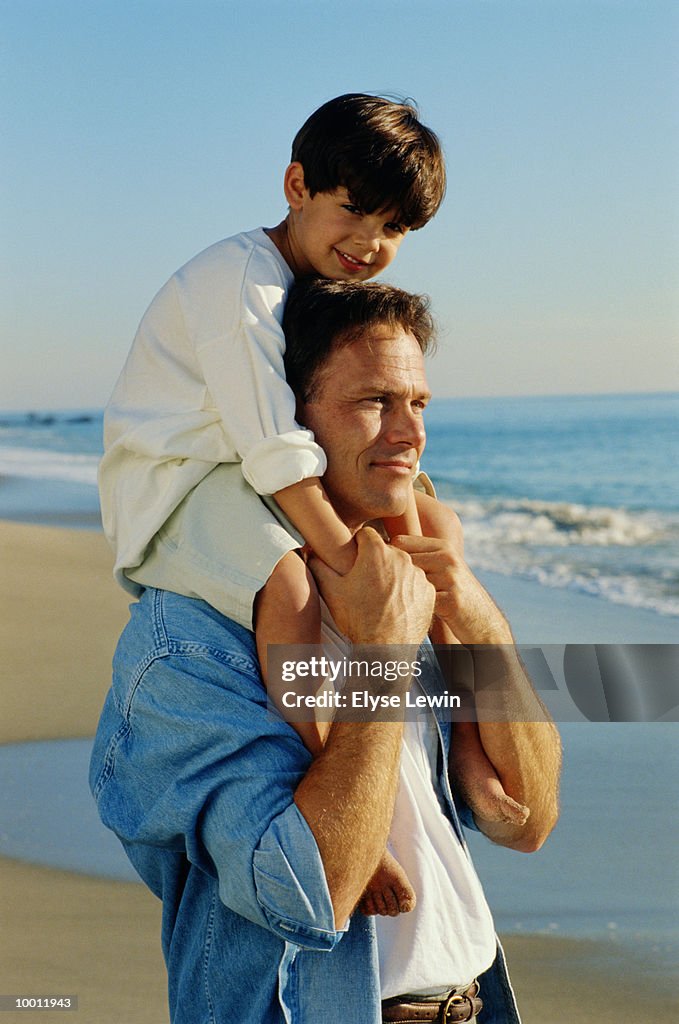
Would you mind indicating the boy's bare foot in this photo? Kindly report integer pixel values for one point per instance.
(476, 780)
(389, 891)
(487, 798)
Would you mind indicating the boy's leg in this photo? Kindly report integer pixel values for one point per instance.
(288, 611)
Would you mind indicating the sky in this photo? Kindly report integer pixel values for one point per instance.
(137, 133)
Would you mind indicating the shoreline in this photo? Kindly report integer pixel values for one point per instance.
(557, 615)
(72, 934)
(60, 616)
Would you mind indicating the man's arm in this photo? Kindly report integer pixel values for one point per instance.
(524, 748)
(347, 796)
(522, 743)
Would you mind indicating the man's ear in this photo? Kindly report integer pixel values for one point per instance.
(293, 185)
(300, 407)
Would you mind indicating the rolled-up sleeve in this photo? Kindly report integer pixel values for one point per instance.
(196, 764)
(245, 375)
(285, 887)
(277, 462)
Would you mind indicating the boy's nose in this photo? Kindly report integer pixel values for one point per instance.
(368, 236)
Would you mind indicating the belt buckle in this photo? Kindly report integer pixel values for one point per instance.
(456, 1000)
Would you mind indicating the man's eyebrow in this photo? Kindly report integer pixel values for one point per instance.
(382, 387)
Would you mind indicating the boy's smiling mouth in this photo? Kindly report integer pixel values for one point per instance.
(350, 262)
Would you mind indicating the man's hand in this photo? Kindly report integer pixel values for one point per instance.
(461, 602)
(384, 599)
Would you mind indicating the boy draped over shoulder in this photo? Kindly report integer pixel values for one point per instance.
(204, 385)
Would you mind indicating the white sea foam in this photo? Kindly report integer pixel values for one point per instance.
(42, 464)
(593, 550)
(560, 524)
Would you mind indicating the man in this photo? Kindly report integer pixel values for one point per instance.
(259, 853)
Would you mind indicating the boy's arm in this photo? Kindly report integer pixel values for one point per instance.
(408, 523)
(307, 505)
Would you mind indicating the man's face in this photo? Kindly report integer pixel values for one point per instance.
(366, 414)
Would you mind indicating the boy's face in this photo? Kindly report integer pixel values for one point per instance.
(331, 237)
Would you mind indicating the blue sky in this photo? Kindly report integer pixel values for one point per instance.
(137, 133)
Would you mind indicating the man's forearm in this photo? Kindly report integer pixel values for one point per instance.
(347, 798)
(523, 745)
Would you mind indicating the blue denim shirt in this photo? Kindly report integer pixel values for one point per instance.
(196, 777)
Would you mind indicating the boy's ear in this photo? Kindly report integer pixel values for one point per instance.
(293, 185)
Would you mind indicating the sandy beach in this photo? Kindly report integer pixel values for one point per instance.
(64, 933)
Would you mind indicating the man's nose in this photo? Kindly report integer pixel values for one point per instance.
(405, 426)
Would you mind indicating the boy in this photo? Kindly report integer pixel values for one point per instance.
(205, 384)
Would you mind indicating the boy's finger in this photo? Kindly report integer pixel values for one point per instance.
(413, 544)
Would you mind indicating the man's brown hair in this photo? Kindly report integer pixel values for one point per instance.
(321, 316)
(379, 151)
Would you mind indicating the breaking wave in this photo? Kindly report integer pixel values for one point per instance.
(623, 556)
(42, 464)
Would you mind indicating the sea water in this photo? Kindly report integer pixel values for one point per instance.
(48, 468)
(576, 492)
(609, 871)
(579, 492)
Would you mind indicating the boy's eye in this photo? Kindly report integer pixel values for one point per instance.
(398, 229)
(351, 208)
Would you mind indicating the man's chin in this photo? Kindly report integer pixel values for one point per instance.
(388, 510)
(372, 506)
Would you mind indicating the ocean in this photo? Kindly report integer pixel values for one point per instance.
(577, 495)
(574, 492)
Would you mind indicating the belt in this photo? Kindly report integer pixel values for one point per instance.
(455, 1008)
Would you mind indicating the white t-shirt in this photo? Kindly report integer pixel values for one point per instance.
(204, 383)
(449, 938)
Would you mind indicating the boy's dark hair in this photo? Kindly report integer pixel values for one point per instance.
(379, 151)
(322, 315)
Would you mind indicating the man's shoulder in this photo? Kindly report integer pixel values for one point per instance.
(187, 626)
